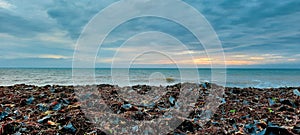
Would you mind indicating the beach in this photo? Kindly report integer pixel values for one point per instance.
(175, 67)
(52, 109)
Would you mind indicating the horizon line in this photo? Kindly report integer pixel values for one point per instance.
(149, 68)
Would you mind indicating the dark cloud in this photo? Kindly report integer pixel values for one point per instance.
(144, 24)
(19, 26)
(74, 15)
(251, 25)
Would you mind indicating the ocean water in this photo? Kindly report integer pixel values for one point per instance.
(261, 78)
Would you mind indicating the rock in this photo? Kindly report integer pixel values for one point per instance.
(141, 89)
(187, 126)
(249, 128)
(285, 108)
(42, 107)
(52, 89)
(69, 128)
(239, 133)
(236, 91)
(288, 102)
(3, 115)
(245, 117)
(271, 102)
(296, 92)
(44, 119)
(57, 107)
(51, 123)
(11, 128)
(261, 125)
(234, 116)
(135, 128)
(203, 86)
(232, 121)
(126, 106)
(172, 100)
(263, 132)
(275, 130)
(245, 102)
(29, 100)
(296, 129)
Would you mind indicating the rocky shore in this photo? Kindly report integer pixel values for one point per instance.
(28, 109)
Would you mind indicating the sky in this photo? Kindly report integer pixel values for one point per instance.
(253, 34)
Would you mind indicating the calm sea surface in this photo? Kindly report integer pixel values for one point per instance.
(262, 78)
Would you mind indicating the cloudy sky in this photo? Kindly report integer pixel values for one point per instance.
(253, 33)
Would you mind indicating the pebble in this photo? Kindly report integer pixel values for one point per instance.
(69, 128)
(296, 92)
(57, 111)
(296, 129)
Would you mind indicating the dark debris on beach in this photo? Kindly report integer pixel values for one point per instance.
(28, 109)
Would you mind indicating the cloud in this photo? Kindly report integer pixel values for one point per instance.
(74, 15)
(252, 32)
(257, 58)
(245, 25)
(51, 56)
(6, 5)
(19, 26)
(36, 62)
(16, 47)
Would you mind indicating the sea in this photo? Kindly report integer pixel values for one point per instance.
(233, 77)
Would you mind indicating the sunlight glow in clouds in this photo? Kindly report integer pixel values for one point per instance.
(53, 56)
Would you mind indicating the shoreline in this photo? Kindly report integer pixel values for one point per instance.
(242, 78)
(30, 109)
(167, 84)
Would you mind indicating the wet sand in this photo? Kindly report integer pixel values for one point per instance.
(28, 109)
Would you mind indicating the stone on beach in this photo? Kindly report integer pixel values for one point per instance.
(27, 109)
